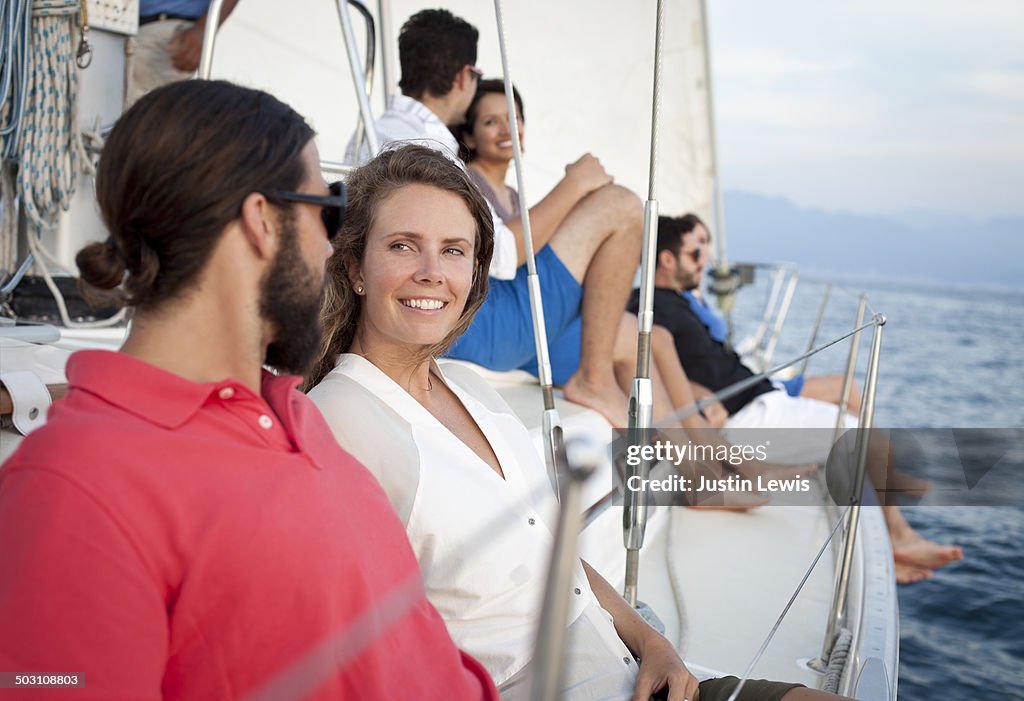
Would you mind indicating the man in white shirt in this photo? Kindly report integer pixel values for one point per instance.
(587, 241)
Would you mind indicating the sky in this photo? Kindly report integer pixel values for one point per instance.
(873, 106)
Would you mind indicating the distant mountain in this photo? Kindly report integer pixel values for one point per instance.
(913, 245)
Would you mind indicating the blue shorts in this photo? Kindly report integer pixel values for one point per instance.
(793, 385)
(501, 335)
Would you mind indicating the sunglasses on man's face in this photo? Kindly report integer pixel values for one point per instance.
(695, 254)
(333, 205)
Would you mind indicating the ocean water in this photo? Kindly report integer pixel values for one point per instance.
(952, 357)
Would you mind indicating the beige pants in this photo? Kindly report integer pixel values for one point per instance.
(151, 64)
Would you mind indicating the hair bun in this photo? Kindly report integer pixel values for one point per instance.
(101, 265)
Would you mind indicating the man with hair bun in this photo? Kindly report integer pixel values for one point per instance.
(185, 525)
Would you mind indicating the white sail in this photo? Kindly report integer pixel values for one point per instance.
(584, 69)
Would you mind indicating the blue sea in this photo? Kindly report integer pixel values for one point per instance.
(952, 357)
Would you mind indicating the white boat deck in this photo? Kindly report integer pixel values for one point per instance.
(736, 572)
(717, 579)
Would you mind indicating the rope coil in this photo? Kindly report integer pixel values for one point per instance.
(51, 147)
(43, 152)
(837, 662)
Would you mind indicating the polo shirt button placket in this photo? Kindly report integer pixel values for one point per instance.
(226, 393)
(265, 421)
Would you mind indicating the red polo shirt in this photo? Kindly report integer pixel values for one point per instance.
(168, 539)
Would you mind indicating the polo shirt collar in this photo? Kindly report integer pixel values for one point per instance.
(156, 395)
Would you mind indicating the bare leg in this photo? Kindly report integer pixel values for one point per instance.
(677, 384)
(909, 548)
(829, 388)
(667, 396)
(599, 242)
(890, 483)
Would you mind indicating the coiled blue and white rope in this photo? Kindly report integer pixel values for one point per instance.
(38, 113)
(51, 147)
(46, 143)
(15, 31)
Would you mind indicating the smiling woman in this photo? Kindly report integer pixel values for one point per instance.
(416, 272)
(428, 250)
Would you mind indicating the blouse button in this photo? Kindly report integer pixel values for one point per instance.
(577, 590)
(226, 393)
(627, 660)
(265, 421)
(531, 520)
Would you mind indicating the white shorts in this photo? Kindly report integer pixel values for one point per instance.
(812, 422)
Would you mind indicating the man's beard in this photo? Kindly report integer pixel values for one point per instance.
(688, 281)
(290, 297)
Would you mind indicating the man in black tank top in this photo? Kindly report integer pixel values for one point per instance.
(707, 362)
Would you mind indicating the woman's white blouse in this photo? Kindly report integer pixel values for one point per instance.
(483, 543)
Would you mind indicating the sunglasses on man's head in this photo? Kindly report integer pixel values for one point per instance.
(333, 212)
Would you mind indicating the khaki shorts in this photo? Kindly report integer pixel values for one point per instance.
(151, 64)
(754, 690)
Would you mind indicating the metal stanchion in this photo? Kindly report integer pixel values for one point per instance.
(355, 65)
(837, 612)
(551, 422)
(641, 395)
(817, 327)
(584, 457)
(209, 37)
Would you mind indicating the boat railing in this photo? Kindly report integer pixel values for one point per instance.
(583, 456)
(847, 522)
(335, 169)
(362, 75)
(759, 348)
(830, 662)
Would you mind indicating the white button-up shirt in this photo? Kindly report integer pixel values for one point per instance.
(409, 121)
(482, 542)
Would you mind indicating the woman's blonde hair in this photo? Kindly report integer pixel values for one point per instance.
(368, 186)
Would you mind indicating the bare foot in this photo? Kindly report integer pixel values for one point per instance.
(908, 574)
(606, 399)
(911, 549)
